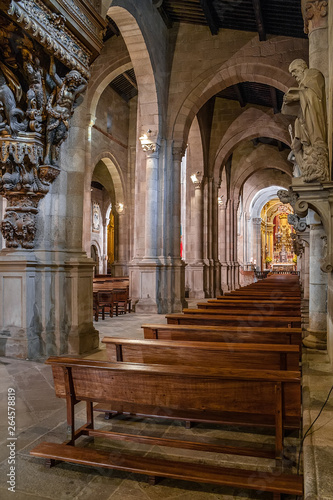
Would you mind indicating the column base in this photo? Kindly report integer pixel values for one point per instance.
(46, 304)
(315, 340)
(194, 279)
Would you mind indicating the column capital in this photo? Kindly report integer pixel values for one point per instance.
(178, 153)
(256, 221)
(197, 180)
(149, 143)
(315, 14)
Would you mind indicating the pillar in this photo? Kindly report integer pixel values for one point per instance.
(120, 266)
(256, 241)
(223, 245)
(317, 290)
(144, 271)
(195, 265)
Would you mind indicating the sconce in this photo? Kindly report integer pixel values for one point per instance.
(220, 200)
(196, 179)
(120, 208)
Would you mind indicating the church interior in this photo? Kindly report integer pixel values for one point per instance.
(162, 160)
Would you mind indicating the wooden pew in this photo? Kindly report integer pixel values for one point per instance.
(268, 305)
(204, 333)
(203, 354)
(232, 320)
(264, 397)
(244, 312)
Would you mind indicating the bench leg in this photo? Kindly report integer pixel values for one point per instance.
(49, 462)
(110, 414)
(188, 424)
(152, 480)
(276, 496)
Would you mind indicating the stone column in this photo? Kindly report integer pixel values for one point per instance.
(152, 157)
(144, 272)
(317, 290)
(105, 245)
(223, 245)
(177, 278)
(120, 266)
(195, 268)
(315, 14)
(256, 242)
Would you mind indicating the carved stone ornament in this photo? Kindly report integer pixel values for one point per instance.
(298, 224)
(307, 103)
(49, 30)
(314, 13)
(36, 105)
(298, 246)
(287, 196)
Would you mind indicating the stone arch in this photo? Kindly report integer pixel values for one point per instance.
(255, 164)
(115, 172)
(250, 124)
(282, 182)
(217, 79)
(141, 59)
(112, 62)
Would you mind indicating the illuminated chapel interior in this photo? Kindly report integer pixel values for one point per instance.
(163, 142)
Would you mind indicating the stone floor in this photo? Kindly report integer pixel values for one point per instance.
(40, 416)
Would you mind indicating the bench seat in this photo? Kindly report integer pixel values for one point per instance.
(155, 467)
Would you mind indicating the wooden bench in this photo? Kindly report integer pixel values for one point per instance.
(232, 320)
(264, 397)
(244, 312)
(203, 354)
(258, 298)
(204, 333)
(247, 303)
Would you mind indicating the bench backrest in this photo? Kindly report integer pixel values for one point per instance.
(204, 333)
(242, 311)
(203, 354)
(160, 387)
(233, 320)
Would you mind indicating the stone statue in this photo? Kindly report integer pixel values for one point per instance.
(308, 103)
(12, 119)
(60, 108)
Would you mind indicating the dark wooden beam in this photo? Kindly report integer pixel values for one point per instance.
(259, 20)
(274, 100)
(210, 15)
(240, 95)
(129, 79)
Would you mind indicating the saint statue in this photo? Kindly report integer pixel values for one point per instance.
(308, 103)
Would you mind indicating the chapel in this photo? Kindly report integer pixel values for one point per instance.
(185, 145)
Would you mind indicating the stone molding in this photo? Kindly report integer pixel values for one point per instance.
(315, 14)
(318, 197)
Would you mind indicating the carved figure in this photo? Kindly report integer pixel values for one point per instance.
(60, 108)
(36, 99)
(308, 103)
(12, 119)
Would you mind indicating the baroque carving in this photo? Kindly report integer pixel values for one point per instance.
(298, 224)
(287, 196)
(308, 103)
(298, 246)
(36, 105)
(49, 30)
(314, 11)
(291, 198)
